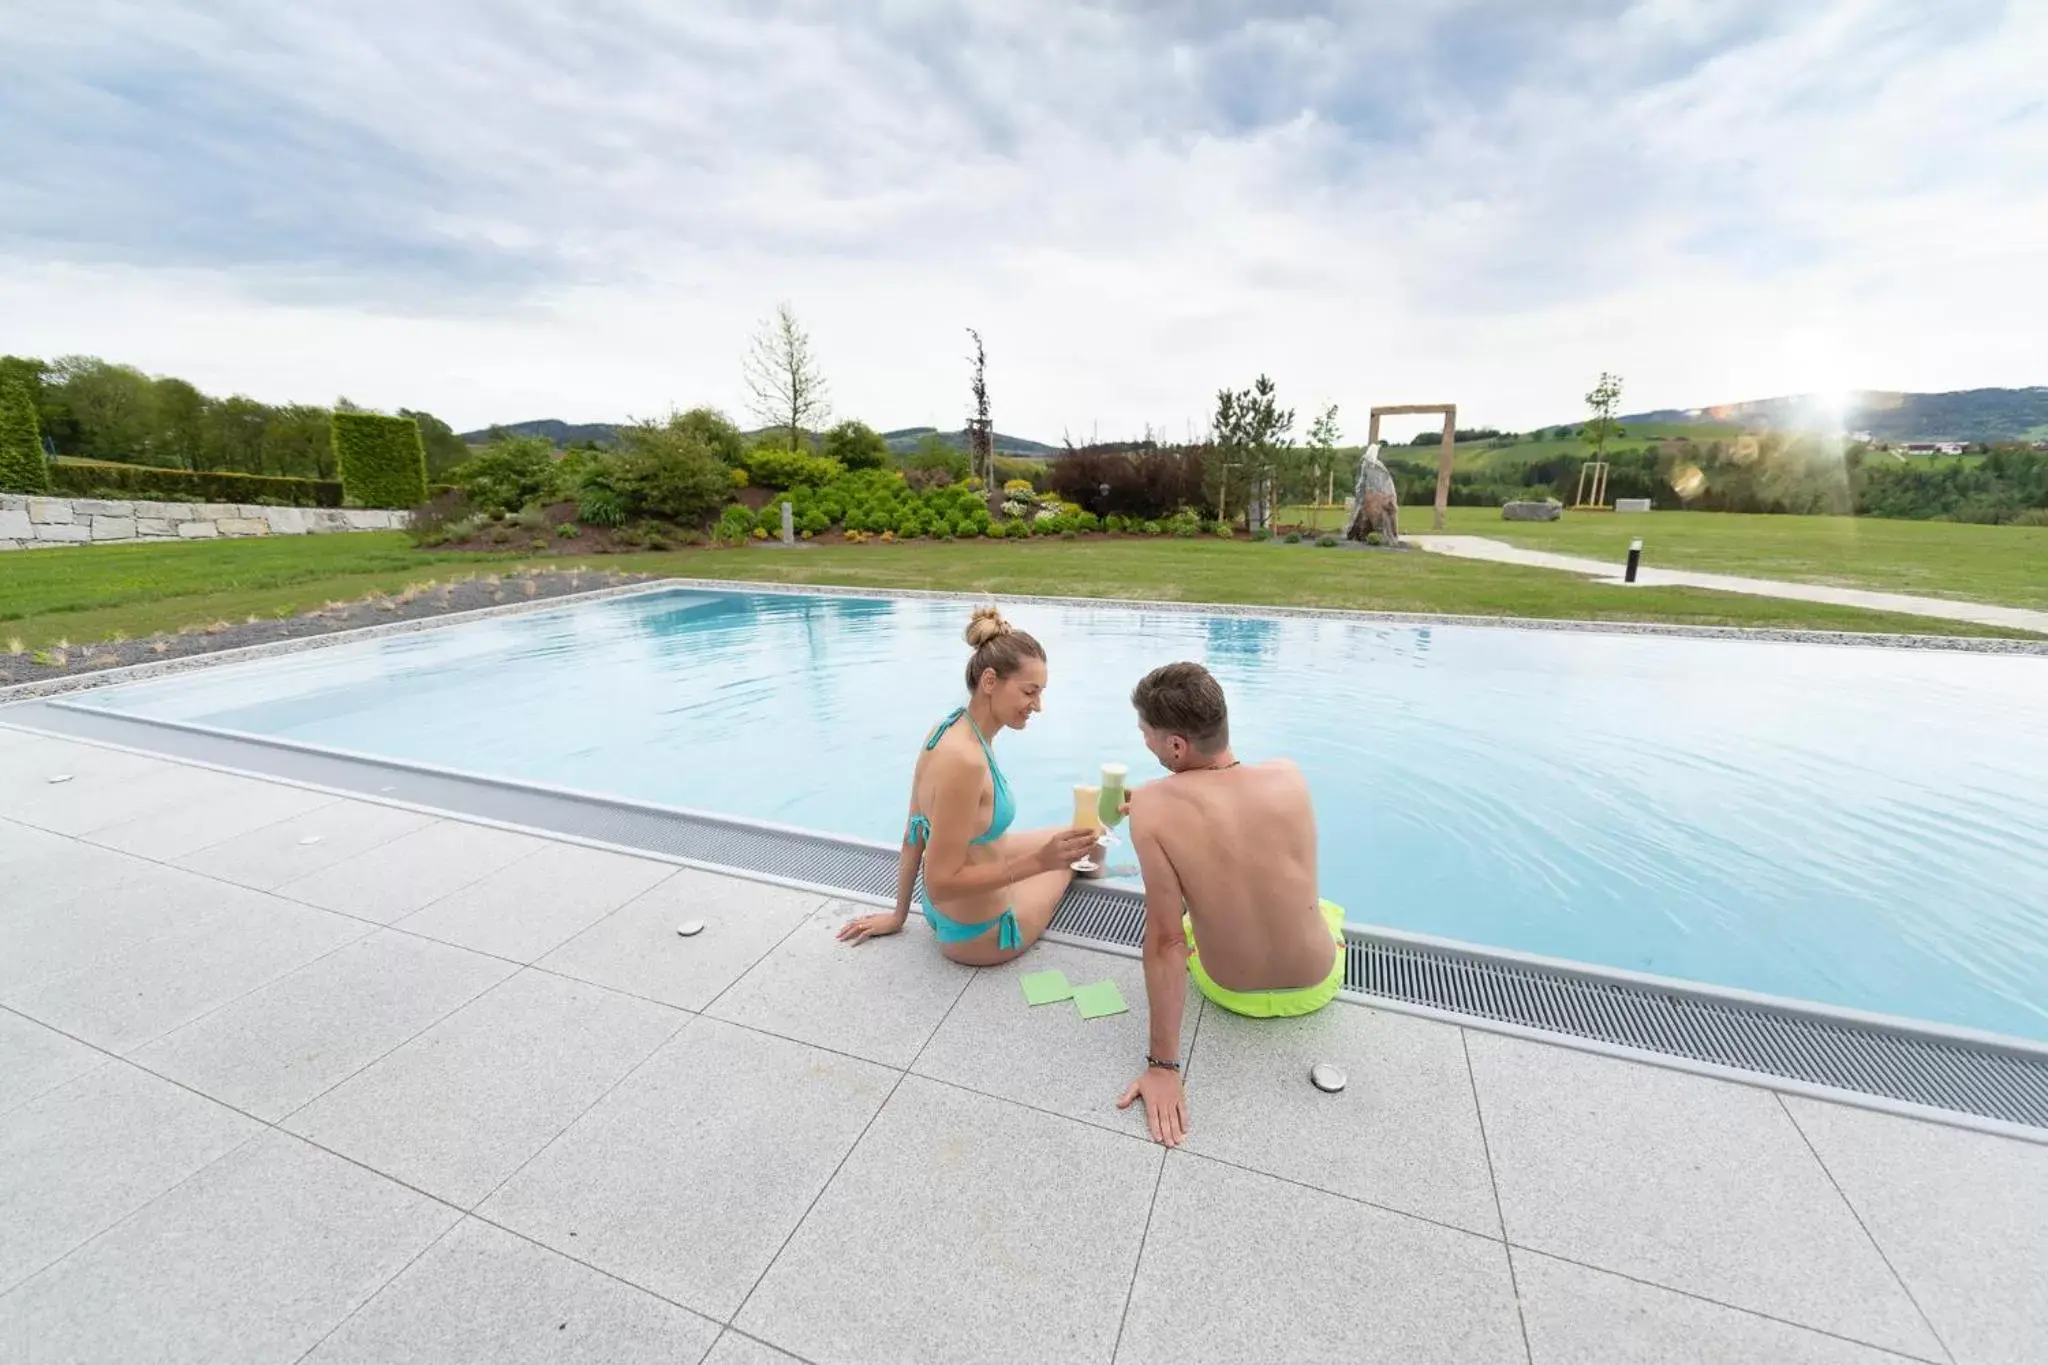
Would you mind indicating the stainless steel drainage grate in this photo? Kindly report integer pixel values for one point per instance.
(1810, 1046)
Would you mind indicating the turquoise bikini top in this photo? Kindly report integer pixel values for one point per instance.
(1005, 811)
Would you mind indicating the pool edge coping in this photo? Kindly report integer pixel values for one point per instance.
(1356, 932)
(1994, 646)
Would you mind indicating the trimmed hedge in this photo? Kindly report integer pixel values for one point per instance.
(148, 483)
(22, 467)
(381, 460)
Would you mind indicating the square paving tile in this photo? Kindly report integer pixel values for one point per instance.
(81, 1158)
(524, 910)
(1243, 1267)
(481, 1296)
(734, 1349)
(1694, 1184)
(232, 806)
(269, 857)
(278, 1047)
(101, 786)
(1048, 1056)
(25, 845)
(1577, 1316)
(35, 1059)
(250, 1262)
(108, 789)
(880, 1000)
(687, 1178)
(75, 927)
(144, 991)
(393, 880)
(1034, 1219)
(1963, 1218)
(636, 948)
(465, 1104)
(38, 868)
(1403, 1133)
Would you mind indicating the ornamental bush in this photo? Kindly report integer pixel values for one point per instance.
(669, 472)
(734, 526)
(856, 446)
(514, 472)
(773, 468)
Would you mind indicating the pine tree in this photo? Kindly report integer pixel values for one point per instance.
(22, 469)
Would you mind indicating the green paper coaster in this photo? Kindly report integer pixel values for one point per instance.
(1099, 999)
(1043, 988)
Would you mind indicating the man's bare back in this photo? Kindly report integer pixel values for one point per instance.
(1233, 849)
(1242, 844)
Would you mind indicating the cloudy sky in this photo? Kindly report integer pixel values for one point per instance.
(530, 208)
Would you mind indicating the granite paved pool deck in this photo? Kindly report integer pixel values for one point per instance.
(287, 1076)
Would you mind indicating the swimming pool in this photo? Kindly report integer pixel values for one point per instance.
(1859, 827)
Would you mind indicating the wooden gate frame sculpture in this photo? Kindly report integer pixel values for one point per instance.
(1594, 471)
(1443, 464)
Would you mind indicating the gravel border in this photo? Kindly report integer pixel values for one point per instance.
(267, 639)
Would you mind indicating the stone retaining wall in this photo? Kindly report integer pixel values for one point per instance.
(32, 523)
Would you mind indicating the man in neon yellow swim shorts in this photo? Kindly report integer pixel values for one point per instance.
(1228, 853)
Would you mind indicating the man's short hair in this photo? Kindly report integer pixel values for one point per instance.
(1184, 700)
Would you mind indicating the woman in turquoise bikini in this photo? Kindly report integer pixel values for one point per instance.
(988, 892)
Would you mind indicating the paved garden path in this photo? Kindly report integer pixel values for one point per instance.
(1500, 552)
(288, 1076)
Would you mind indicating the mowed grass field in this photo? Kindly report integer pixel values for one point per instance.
(2007, 565)
(2003, 564)
(97, 593)
(101, 592)
(1478, 455)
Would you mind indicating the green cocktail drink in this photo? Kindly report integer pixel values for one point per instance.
(1110, 804)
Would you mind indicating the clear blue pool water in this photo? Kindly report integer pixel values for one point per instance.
(1861, 827)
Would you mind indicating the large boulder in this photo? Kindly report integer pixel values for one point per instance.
(1550, 509)
(1377, 505)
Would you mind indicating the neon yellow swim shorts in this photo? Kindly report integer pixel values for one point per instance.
(1273, 1004)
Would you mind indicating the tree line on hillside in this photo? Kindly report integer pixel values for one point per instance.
(1250, 463)
(1771, 472)
(94, 409)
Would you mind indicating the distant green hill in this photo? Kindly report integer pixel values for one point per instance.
(1960, 415)
(901, 440)
(907, 438)
(560, 432)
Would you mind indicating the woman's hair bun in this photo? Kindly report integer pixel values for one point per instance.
(986, 624)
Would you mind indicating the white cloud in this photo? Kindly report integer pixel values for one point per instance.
(507, 210)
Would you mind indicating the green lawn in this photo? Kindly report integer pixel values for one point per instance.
(1478, 455)
(2003, 564)
(99, 592)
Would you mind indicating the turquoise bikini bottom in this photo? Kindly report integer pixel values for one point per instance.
(1008, 937)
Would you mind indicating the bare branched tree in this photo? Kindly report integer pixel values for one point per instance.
(785, 388)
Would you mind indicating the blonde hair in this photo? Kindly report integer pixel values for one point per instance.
(997, 645)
